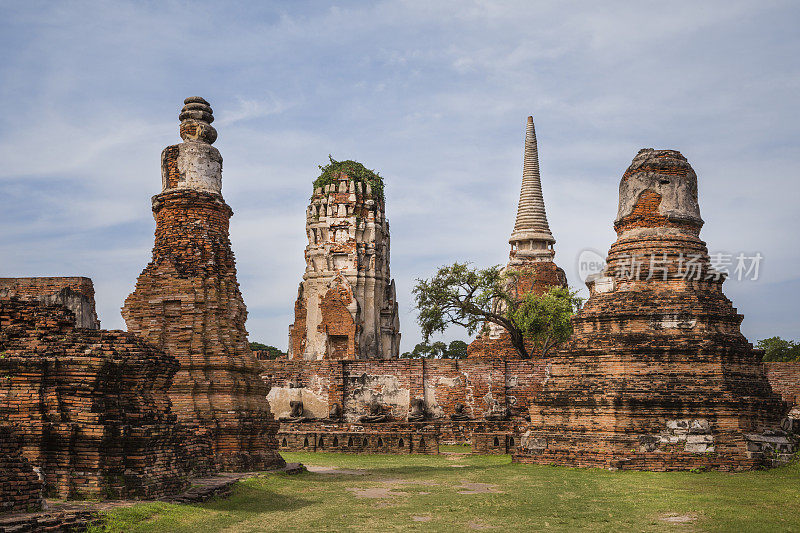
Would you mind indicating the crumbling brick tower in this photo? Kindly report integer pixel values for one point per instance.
(657, 374)
(346, 306)
(187, 302)
(531, 252)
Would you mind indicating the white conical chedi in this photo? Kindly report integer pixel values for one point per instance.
(531, 237)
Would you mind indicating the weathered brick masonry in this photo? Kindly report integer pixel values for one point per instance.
(657, 374)
(20, 488)
(785, 380)
(90, 406)
(75, 293)
(480, 385)
(187, 301)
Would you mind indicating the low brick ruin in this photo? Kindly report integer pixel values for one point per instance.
(187, 302)
(346, 306)
(657, 374)
(90, 407)
(455, 399)
(76, 293)
(531, 255)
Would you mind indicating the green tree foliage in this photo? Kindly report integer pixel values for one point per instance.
(778, 349)
(353, 169)
(437, 350)
(272, 352)
(469, 297)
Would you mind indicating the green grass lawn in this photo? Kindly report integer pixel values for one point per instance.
(413, 492)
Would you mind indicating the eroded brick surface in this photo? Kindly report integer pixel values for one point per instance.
(73, 292)
(90, 406)
(20, 488)
(346, 305)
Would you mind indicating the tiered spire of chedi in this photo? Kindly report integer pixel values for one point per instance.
(187, 302)
(531, 252)
(657, 375)
(531, 239)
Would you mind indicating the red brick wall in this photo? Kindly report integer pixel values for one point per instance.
(441, 383)
(90, 406)
(785, 380)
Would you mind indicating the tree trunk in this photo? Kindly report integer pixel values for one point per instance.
(518, 341)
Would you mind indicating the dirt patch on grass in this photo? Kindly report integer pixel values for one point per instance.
(676, 518)
(476, 524)
(421, 518)
(334, 470)
(376, 492)
(478, 488)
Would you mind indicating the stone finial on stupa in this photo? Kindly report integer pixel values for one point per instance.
(658, 190)
(194, 163)
(196, 118)
(531, 237)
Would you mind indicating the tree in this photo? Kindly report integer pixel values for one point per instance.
(778, 349)
(470, 297)
(457, 350)
(437, 350)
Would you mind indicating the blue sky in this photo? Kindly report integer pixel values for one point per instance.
(433, 95)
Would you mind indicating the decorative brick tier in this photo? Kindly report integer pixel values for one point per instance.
(90, 406)
(390, 438)
(657, 375)
(20, 487)
(187, 302)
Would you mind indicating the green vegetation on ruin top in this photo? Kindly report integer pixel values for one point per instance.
(354, 170)
(458, 492)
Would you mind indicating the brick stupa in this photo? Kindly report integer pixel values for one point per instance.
(657, 374)
(531, 255)
(187, 301)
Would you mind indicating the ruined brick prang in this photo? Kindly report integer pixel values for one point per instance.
(91, 406)
(187, 301)
(657, 374)
(346, 306)
(531, 255)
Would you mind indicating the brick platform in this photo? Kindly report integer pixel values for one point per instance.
(390, 438)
